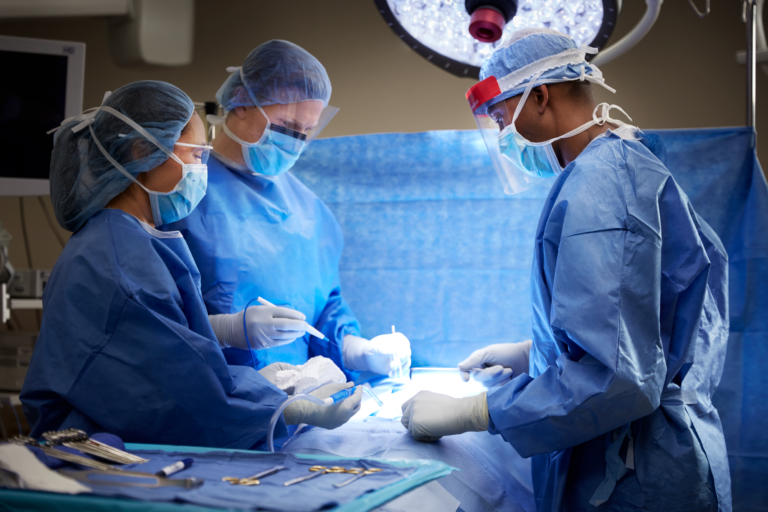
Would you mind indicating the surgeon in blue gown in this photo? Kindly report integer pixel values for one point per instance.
(261, 233)
(612, 398)
(125, 344)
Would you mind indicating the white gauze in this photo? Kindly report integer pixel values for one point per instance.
(315, 373)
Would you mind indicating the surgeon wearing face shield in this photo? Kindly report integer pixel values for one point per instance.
(261, 233)
(611, 398)
(125, 344)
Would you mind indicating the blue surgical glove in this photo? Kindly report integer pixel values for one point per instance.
(383, 354)
(500, 362)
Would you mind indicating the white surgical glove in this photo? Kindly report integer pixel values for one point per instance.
(383, 354)
(269, 372)
(501, 362)
(268, 326)
(329, 417)
(429, 416)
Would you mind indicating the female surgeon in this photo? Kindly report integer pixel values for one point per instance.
(125, 345)
(259, 232)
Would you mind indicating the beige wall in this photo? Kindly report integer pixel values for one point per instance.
(683, 74)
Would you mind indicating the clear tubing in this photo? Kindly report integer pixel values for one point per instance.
(279, 411)
(333, 399)
(373, 396)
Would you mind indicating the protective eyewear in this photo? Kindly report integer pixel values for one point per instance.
(201, 151)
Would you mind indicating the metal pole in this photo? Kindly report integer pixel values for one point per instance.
(750, 12)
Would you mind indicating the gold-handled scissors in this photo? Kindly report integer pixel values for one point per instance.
(357, 476)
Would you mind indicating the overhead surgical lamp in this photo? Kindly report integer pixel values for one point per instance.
(459, 35)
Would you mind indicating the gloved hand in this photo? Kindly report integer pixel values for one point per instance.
(430, 416)
(383, 354)
(268, 326)
(330, 417)
(502, 362)
(269, 372)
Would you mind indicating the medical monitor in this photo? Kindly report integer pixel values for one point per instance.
(41, 84)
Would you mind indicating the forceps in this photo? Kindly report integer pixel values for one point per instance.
(254, 479)
(357, 476)
(317, 470)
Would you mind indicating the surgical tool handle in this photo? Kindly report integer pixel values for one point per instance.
(305, 478)
(267, 472)
(311, 330)
(341, 395)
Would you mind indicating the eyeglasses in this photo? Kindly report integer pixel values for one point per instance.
(201, 151)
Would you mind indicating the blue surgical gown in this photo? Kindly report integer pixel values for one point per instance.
(255, 236)
(630, 325)
(126, 346)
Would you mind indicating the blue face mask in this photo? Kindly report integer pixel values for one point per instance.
(175, 205)
(276, 151)
(536, 161)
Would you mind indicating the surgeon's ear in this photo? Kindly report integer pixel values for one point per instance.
(240, 112)
(139, 149)
(541, 97)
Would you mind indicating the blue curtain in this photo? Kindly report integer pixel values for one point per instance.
(434, 247)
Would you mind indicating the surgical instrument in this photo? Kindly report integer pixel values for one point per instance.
(130, 479)
(79, 440)
(317, 471)
(311, 330)
(254, 479)
(175, 468)
(357, 476)
(62, 455)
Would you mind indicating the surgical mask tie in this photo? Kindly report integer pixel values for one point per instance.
(538, 158)
(166, 207)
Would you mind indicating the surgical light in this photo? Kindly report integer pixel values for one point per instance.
(439, 30)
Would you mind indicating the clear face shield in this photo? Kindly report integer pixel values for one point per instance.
(303, 121)
(519, 163)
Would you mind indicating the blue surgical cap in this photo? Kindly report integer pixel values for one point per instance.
(531, 51)
(276, 72)
(82, 180)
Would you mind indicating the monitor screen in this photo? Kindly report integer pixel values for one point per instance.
(33, 94)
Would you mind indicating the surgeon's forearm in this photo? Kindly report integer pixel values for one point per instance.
(545, 414)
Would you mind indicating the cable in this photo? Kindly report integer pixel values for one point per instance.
(48, 218)
(697, 11)
(16, 415)
(25, 233)
(245, 330)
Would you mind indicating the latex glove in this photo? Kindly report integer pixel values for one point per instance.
(330, 417)
(380, 355)
(268, 326)
(430, 416)
(502, 362)
(269, 372)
